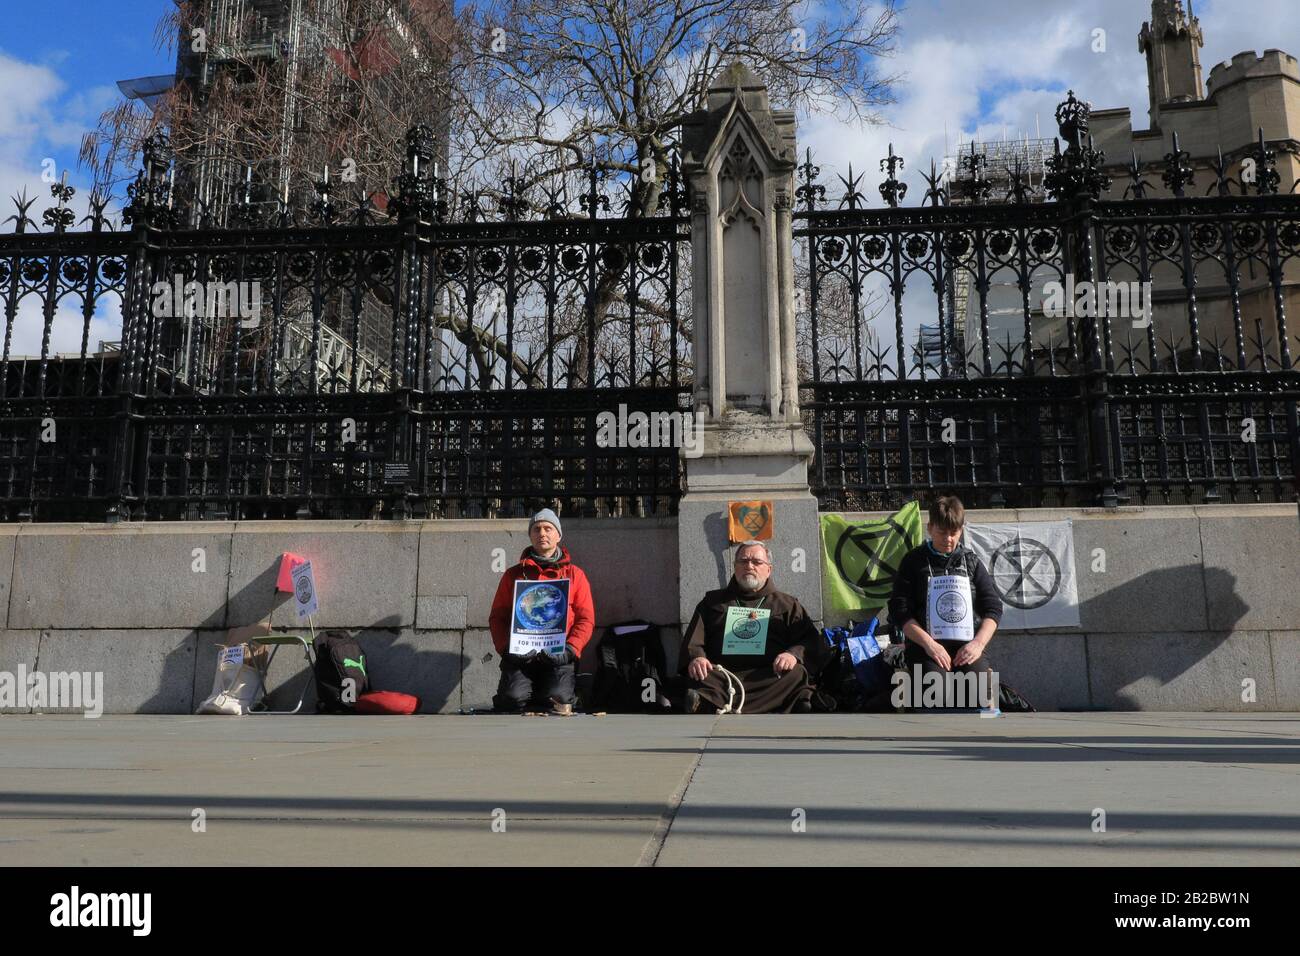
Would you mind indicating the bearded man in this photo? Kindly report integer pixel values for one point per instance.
(748, 636)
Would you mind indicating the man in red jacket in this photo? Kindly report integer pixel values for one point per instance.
(538, 679)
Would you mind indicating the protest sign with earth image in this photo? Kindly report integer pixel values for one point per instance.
(541, 614)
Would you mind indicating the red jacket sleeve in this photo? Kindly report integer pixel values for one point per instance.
(583, 610)
(499, 618)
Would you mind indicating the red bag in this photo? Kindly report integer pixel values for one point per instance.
(387, 702)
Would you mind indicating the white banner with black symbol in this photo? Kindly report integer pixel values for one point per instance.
(1032, 565)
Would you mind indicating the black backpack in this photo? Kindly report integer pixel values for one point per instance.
(630, 670)
(842, 687)
(339, 658)
(1011, 702)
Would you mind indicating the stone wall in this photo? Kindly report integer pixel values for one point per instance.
(1193, 601)
(127, 599)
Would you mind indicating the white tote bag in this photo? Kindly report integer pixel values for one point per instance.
(241, 669)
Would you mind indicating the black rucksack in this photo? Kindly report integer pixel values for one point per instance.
(630, 670)
(851, 689)
(339, 658)
(1011, 702)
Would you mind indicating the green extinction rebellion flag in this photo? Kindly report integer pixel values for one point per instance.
(860, 558)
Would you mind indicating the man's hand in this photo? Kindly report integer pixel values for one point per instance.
(939, 655)
(785, 661)
(699, 668)
(969, 653)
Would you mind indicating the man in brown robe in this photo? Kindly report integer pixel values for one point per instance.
(755, 632)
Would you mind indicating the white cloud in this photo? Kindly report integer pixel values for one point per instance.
(38, 122)
(983, 70)
(26, 91)
(975, 68)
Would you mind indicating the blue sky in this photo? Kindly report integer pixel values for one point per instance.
(90, 42)
(967, 68)
(72, 53)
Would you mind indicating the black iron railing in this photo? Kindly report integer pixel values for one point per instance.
(446, 356)
(1175, 381)
(449, 354)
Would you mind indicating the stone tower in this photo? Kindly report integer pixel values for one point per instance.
(1171, 42)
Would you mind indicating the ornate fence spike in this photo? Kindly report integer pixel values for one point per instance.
(513, 204)
(98, 202)
(1263, 346)
(555, 207)
(323, 207)
(1130, 352)
(61, 217)
(810, 193)
(891, 190)
(21, 219)
(1178, 168)
(470, 209)
(1008, 355)
(1222, 181)
(360, 212)
(975, 188)
(1218, 353)
(851, 197)
(1267, 178)
(675, 188)
(1020, 188)
(594, 200)
(877, 364)
(1137, 187)
(1172, 348)
(935, 193)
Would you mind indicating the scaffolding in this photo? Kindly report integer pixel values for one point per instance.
(1000, 159)
(999, 162)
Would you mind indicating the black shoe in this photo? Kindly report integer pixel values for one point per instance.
(803, 706)
(692, 702)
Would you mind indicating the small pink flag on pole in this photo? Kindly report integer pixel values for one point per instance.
(288, 561)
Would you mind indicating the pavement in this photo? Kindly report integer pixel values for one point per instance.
(924, 789)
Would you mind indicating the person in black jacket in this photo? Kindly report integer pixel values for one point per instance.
(931, 577)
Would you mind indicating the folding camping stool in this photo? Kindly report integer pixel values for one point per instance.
(275, 642)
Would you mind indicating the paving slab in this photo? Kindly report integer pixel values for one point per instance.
(1176, 789)
(1019, 790)
(415, 790)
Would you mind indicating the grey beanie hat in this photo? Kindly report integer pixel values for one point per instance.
(546, 514)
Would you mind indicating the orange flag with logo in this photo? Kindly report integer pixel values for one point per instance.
(749, 521)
